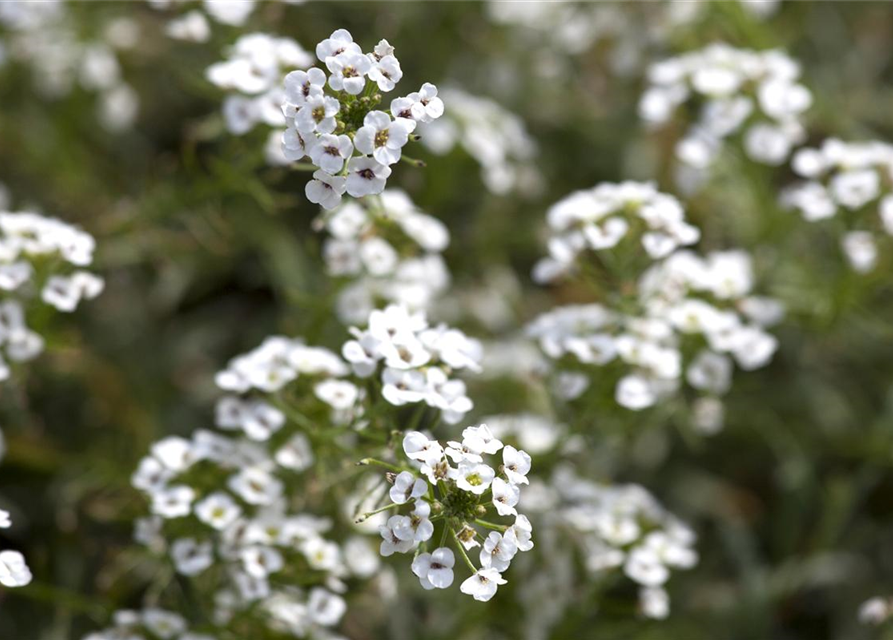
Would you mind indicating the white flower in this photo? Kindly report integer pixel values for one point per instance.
(385, 71)
(65, 293)
(497, 552)
(875, 611)
(427, 106)
(5, 522)
(417, 446)
(482, 585)
(643, 566)
(321, 554)
(383, 138)
(854, 189)
(191, 26)
(710, 372)
(505, 497)
(860, 250)
(402, 387)
(301, 85)
(390, 541)
(339, 42)
(516, 464)
(520, 533)
(481, 440)
(348, 71)
(417, 527)
(378, 256)
(173, 502)
(330, 152)
(317, 115)
(259, 562)
(475, 478)
(190, 556)
(256, 486)
(164, 624)
(231, 12)
(325, 190)
(366, 176)
(635, 392)
(338, 394)
(435, 570)
(768, 144)
(14, 572)
(407, 487)
(654, 602)
(218, 510)
(261, 420)
(325, 608)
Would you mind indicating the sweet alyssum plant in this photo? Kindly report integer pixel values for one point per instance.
(337, 122)
(457, 500)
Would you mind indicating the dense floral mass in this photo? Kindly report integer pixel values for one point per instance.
(459, 498)
(686, 318)
(334, 119)
(471, 392)
(853, 178)
(386, 249)
(754, 94)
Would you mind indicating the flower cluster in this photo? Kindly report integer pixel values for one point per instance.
(417, 360)
(253, 72)
(34, 253)
(490, 134)
(619, 527)
(389, 249)
(229, 500)
(334, 120)
(692, 314)
(458, 498)
(755, 93)
(43, 36)
(148, 624)
(855, 177)
(602, 217)
(37, 254)
(629, 35)
(14, 572)
(193, 25)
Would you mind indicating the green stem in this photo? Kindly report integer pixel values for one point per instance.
(413, 161)
(380, 463)
(368, 515)
(491, 525)
(462, 551)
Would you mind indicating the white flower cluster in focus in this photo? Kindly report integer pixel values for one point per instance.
(602, 217)
(334, 120)
(856, 178)
(14, 572)
(739, 91)
(417, 360)
(457, 499)
(46, 255)
(693, 314)
(253, 72)
(390, 250)
(496, 138)
(150, 623)
(620, 527)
